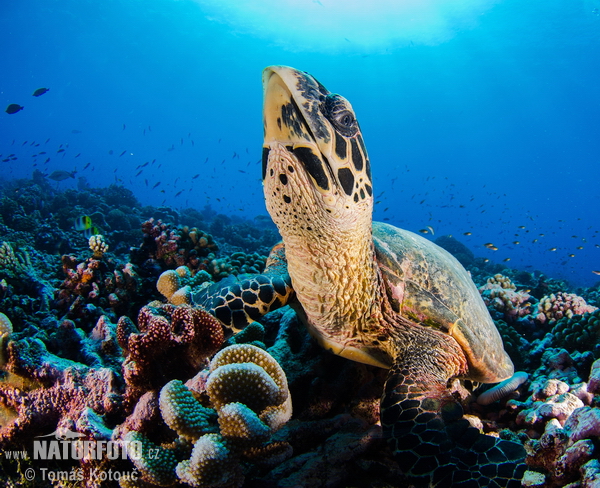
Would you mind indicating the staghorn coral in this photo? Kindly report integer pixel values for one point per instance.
(247, 400)
(554, 307)
(168, 342)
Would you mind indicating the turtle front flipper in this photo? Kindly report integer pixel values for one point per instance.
(238, 302)
(423, 423)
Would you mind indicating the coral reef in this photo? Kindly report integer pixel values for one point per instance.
(97, 286)
(168, 342)
(558, 305)
(247, 401)
(84, 349)
(578, 333)
(501, 294)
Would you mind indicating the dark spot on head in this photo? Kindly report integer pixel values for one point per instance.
(286, 199)
(355, 198)
(369, 189)
(290, 168)
(313, 165)
(346, 180)
(362, 194)
(357, 158)
(283, 179)
(340, 146)
(279, 122)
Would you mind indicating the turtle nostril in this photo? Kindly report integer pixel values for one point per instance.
(283, 179)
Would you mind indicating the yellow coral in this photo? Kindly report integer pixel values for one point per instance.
(98, 245)
(247, 353)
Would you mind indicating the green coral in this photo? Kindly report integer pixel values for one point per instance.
(155, 463)
(183, 413)
(578, 333)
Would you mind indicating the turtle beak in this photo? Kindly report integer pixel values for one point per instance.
(282, 117)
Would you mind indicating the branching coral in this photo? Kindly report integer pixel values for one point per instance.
(181, 246)
(501, 294)
(248, 400)
(98, 245)
(97, 283)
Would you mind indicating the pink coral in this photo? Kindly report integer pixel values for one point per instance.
(182, 246)
(558, 305)
(99, 282)
(501, 294)
(169, 342)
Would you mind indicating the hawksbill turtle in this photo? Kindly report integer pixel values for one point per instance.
(369, 291)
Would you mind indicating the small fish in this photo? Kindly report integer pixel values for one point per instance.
(195, 176)
(571, 255)
(61, 175)
(552, 249)
(82, 223)
(493, 248)
(467, 233)
(424, 231)
(516, 242)
(178, 193)
(486, 260)
(60, 150)
(506, 260)
(431, 230)
(87, 166)
(40, 91)
(579, 247)
(488, 244)
(122, 153)
(596, 272)
(13, 108)
(155, 185)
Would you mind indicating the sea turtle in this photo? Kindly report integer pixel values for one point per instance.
(369, 291)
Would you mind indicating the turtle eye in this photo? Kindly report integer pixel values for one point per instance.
(339, 113)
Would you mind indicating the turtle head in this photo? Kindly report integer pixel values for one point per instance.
(316, 172)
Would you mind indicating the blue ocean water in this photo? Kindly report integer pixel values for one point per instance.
(480, 117)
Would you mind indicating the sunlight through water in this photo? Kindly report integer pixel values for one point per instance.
(348, 25)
